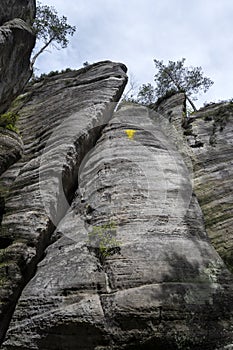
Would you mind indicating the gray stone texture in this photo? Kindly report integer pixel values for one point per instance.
(24, 9)
(131, 265)
(60, 120)
(210, 138)
(16, 44)
(113, 224)
(11, 148)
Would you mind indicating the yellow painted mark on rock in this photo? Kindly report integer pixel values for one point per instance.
(130, 133)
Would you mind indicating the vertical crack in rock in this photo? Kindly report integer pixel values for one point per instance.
(60, 123)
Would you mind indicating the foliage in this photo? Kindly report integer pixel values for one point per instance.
(103, 239)
(130, 96)
(129, 99)
(170, 79)
(43, 76)
(146, 94)
(174, 76)
(8, 121)
(50, 28)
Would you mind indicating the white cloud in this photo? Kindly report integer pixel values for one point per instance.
(135, 32)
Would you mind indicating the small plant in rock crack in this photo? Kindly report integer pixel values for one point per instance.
(8, 121)
(102, 240)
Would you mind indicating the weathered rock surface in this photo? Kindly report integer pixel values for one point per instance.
(131, 266)
(101, 211)
(16, 44)
(210, 137)
(24, 9)
(11, 147)
(173, 110)
(60, 121)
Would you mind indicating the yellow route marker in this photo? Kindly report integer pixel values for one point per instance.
(130, 133)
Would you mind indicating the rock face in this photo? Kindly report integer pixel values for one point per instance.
(103, 243)
(24, 9)
(210, 137)
(16, 44)
(130, 265)
(41, 184)
(10, 150)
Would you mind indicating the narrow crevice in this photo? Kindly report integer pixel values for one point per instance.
(5, 242)
(27, 273)
(2, 207)
(197, 144)
(107, 282)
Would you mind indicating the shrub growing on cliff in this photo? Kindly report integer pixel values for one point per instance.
(50, 29)
(170, 79)
(146, 94)
(102, 239)
(8, 121)
(174, 76)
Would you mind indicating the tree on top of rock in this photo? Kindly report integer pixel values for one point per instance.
(176, 77)
(50, 29)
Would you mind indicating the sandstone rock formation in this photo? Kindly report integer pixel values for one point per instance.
(112, 224)
(78, 104)
(11, 149)
(16, 44)
(130, 264)
(24, 9)
(206, 140)
(209, 135)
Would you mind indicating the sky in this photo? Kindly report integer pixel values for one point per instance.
(137, 31)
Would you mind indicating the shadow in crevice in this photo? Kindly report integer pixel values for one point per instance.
(72, 336)
(5, 242)
(202, 306)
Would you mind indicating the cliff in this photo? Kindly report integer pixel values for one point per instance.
(42, 183)
(210, 136)
(116, 221)
(16, 44)
(102, 233)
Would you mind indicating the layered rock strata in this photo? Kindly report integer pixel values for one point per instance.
(209, 135)
(131, 266)
(206, 139)
(24, 9)
(60, 121)
(16, 43)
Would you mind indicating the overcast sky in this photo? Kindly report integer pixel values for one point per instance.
(137, 31)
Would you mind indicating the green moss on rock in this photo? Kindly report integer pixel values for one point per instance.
(8, 121)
